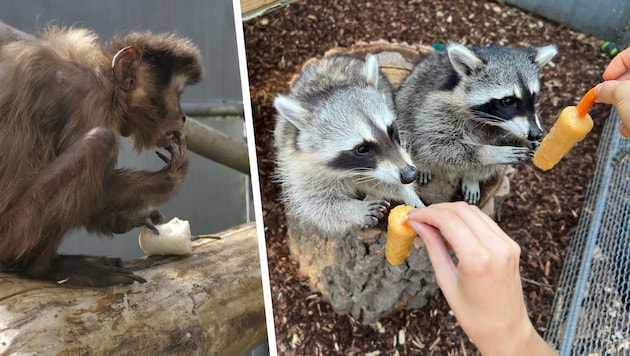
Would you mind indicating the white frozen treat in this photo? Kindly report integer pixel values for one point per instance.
(174, 239)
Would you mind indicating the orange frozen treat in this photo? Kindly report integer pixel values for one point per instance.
(571, 127)
(399, 235)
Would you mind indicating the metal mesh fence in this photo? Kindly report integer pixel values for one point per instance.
(591, 308)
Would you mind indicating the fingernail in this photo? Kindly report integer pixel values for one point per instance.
(415, 226)
(597, 90)
(414, 210)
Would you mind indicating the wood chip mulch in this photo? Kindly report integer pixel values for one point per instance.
(541, 213)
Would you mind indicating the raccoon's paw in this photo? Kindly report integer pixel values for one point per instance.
(471, 191)
(376, 211)
(533, 146)
(519, 155)
(424, 177)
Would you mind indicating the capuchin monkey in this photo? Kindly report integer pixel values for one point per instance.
(65, 101)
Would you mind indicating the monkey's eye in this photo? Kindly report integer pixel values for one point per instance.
(362, 150)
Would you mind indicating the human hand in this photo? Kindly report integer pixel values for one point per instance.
(484, 288)
(616, 88)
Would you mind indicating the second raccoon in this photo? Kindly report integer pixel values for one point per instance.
(464, 112)
(339, 158)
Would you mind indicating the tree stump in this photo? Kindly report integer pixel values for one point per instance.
(351, 272)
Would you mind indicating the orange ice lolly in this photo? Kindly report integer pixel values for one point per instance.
(399, 235)
(571, 127)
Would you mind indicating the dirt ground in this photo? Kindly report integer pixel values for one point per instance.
(541, 213)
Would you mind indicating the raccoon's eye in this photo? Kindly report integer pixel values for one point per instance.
(392, 131)
(362, 150)
(508, 101)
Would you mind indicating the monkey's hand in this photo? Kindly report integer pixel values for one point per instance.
(154, 218)
(176, 146)
(128, 220)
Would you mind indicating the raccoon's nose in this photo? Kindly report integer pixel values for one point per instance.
(408, 175)
(535, 134)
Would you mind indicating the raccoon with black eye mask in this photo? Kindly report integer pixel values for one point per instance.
(339, 158)
(466, 112)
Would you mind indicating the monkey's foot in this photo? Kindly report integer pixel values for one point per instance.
(88, 271)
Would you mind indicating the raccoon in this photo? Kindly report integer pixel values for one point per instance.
(339, 157)
(465, 112)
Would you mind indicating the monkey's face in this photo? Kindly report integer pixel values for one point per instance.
(173, 119)
(153, 77)
(154, 113)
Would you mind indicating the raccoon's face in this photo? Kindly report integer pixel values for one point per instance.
(355, 134)
(501, 86)
(512, 108)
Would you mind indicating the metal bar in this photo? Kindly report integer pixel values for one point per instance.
(217, 146)
(206, 109)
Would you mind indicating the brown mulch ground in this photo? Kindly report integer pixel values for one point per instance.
(541, 213)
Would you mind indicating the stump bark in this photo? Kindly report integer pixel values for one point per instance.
(350, 271)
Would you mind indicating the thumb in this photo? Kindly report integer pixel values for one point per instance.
(438, 252)
(617, 93)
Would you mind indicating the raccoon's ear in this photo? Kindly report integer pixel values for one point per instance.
(544, 54)
(465, 61)
(291, 110)
(370, 70)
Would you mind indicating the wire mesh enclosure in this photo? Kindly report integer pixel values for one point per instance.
(591, 309)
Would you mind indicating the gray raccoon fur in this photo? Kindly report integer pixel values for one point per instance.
(465, 112)
(338, 156)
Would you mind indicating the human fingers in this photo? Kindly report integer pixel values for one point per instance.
(617, 66)
(617, 93)
(439, 254)
(624, 76)
(464, 226)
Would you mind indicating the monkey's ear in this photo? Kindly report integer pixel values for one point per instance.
(465, 62)
(124, 67)
(291, 110)
(370, 70)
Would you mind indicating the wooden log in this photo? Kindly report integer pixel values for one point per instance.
(206, 303)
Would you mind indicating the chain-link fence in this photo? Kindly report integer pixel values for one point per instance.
(591, 310)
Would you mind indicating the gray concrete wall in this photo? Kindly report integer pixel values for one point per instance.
(605, 19)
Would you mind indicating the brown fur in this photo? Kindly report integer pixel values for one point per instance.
(62, 111)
